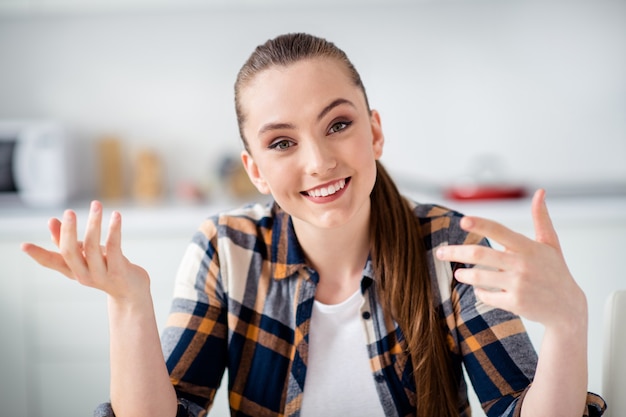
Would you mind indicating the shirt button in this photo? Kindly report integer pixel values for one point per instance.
(367, 315)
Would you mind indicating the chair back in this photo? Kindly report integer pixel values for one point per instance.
(614, 357)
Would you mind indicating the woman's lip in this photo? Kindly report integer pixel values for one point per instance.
(325, 185)
(330, 197)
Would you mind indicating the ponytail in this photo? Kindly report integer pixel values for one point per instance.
(399, 261)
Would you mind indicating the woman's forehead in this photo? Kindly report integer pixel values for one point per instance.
(320, 79)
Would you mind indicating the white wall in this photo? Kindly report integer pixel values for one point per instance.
(540, 85)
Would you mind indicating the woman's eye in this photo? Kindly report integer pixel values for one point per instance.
(281, 145)
(336, 127)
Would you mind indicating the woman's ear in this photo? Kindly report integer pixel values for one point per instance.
(378, 139)
(253, 173)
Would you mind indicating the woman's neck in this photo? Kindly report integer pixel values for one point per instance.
(338, 255)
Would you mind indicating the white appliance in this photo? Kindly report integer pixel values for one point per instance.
(35, 162)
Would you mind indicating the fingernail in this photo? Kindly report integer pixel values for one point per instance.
(440, 253)
(467, 223)
(94, 207)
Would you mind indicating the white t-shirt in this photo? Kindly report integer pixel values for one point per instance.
(339, 379)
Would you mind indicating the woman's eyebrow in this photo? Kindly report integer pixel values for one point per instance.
(332, 105)
(278, 126)
(275, 126)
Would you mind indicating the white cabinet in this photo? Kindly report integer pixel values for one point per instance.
(13, 358)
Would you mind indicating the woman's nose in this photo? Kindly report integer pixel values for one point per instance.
(319, 158)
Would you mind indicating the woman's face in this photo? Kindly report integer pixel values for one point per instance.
(312, 141)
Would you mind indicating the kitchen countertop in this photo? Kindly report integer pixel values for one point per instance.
(175, 218)
(160, 219)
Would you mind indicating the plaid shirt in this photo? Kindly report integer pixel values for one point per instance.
(243, 301)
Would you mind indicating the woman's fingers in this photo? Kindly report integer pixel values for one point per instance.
(485, 278)
(70, 248)
(113, 244)
(544, 230)
(54, 225)
(91, 245)
(499, 299)
(494, 231)
(475, 255)
(48, 259)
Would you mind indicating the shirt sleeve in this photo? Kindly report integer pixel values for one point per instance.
(595, 407)
(194, 340)
(106, 410)
(497, 353)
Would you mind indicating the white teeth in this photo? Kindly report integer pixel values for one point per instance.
(326, 191)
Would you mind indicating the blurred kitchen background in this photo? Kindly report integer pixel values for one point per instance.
(509, 94)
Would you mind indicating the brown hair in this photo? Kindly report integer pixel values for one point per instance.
(397, 248)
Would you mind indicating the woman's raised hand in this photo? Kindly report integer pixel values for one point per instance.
(527, 277)
(88, 262)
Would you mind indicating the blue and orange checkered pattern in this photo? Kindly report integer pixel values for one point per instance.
(243, 302)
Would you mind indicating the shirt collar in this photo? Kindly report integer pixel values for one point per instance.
(287, 256)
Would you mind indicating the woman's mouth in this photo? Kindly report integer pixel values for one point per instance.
(327, 190)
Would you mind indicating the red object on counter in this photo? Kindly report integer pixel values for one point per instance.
(484, 192)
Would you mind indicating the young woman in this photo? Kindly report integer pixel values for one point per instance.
(342, 297)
